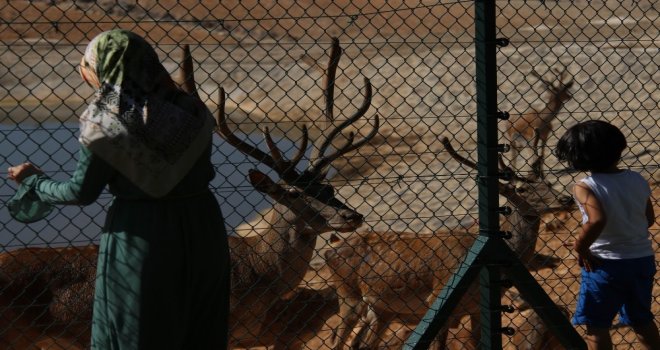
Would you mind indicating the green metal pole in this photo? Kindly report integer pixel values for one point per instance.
(449, 298)
(486, 79)
(553, 318)
(489, 252)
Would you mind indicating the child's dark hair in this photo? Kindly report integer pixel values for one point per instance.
(593, 145)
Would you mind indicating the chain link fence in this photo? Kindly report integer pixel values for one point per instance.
(565, 62)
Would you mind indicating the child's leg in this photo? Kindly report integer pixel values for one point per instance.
(597, 305)
(648, 335)
(598, 338)
(636, 311)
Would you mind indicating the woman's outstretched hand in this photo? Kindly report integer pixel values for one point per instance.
(20, 172)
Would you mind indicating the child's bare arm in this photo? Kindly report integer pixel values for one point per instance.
(590, 229)
(650, 213)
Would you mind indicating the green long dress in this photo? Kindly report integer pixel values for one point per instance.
(163, 267)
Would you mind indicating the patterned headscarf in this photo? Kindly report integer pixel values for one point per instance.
(148, 138)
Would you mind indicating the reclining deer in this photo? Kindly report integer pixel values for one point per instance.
(383, 276)
(522, 127)
(46, 293)
(272, 264)
(536, 335)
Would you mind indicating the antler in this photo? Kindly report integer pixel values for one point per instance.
(286, 169)
(550, 85)
(507, 190)
(561, 75)
(320, 161)
(452, 152)
(503, 167)
(471, 164)
(186, 78)
(316, 171)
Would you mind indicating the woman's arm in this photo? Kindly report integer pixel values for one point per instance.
(650, 213)
(91, 176)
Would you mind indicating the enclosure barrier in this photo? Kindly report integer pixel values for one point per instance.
(449, 80)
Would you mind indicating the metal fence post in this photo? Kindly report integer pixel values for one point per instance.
(480, 258)
(486, 80)
(489, 251)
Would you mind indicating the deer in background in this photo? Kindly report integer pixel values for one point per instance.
(522, 127)
(386, 276)
(46, 293)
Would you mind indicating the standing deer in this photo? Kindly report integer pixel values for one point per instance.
(523, 126)
(46, 293)
(383, 276)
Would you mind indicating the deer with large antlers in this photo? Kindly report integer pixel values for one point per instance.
(522, 127)
(386, 276)
(271, 264)
(46, 293)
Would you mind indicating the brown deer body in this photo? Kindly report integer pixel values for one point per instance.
(47, 293)
(535, 335)
(271, 264)
(521, 129)
(383, 276)
(47, 297)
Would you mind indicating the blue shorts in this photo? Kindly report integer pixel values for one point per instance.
(617, 286)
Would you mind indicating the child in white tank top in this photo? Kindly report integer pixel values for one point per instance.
(614, 247)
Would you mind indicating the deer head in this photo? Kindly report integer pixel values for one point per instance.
(531, 197)
(310, 182)
(530, 191)
(320, 208)
(558, 92)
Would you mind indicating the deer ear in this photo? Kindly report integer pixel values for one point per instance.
(263, 183)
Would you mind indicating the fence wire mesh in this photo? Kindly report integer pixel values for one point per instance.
(566, 61)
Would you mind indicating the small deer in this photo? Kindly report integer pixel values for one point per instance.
(383, 276)
(46, 293)
(522, 127)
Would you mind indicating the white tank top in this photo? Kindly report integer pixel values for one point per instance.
(623, 197)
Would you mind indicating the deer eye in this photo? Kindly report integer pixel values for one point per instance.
(328, 191)
(293, 191)
(521, 190)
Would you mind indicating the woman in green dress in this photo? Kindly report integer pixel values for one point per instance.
(163, 266)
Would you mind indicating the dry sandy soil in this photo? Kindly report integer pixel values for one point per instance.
(417, 55)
